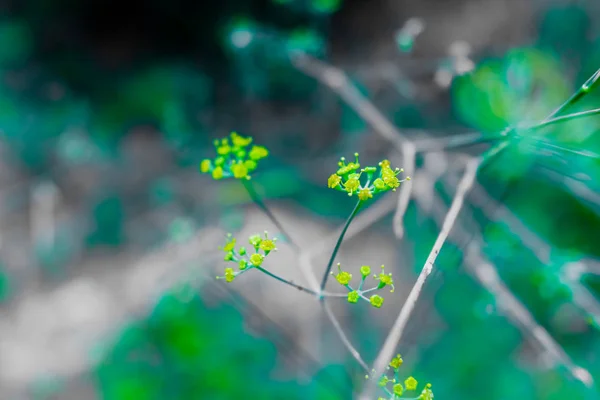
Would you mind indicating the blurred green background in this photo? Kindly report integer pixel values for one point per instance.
(109, 232)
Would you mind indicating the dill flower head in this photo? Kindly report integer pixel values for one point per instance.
(236, 158)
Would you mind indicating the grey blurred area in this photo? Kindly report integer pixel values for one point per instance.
(59, 314)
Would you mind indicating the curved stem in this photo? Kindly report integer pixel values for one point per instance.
(338, 244)
(343, 337)
(290, 283)
(258, 201)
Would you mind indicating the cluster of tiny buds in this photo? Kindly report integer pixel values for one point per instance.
(242, 258)
(234, 158)
(398, 389)
(348, 179)
(354, 295)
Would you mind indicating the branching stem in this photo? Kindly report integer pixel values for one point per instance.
(290, 283)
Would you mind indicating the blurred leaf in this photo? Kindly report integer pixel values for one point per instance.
(525, 86)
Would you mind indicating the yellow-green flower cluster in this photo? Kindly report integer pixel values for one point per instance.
(235, 158)
(245, 260)
(365, 182)
(354, 295)
(399, 389)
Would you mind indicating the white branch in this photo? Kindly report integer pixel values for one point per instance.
(487, 275)
(343, 337)
(445, 142)
(409, 159)
(395, 334)
(338, 82)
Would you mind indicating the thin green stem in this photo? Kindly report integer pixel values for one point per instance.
(369, 290)
(338, 244)
(328, 294)
(457, 141)
(476, 138)
(290, 283)
(562, 149)
(577, 96)
(555, 117)
(550, 120)
(564, 118)
(261, 204)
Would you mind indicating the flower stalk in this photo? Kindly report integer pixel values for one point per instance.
(338, 244)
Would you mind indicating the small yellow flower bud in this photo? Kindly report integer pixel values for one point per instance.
(343, 278)
(250, 165)
(384, 279)
(255, 241)
(391, 181)
(240, 141)
(258, 153)
(383, 381)
(217, 173)
(267, 245)
(219, 161)
(384, 164)
(396, 361)
(365, 194)
(205, 166)
(333, 181)
(353, 296)
(376, 301)
(230, 245)
(229, 274)
(426, 394)
(365, 270)
(256, 259)
(239, 170)
(223, 150)
(398, 389)
(411, 383)
(351, 185)
(379, 184)
(240, 154)
(387, 172)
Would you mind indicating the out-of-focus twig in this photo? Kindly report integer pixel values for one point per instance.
(487, 274)
(337, 81)
(395, 334)
(343, 337)
(454, 141)
(571, 274)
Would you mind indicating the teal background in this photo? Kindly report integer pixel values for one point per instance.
(115, 110)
